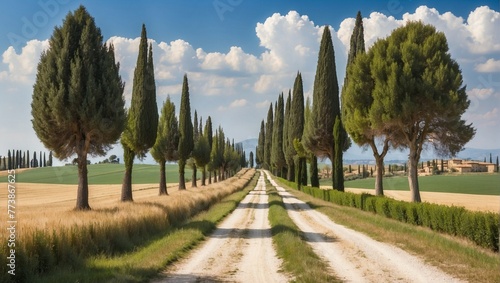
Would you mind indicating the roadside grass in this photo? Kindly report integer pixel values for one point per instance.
(146, 261)
(473, 183)
(101, 174)
(298, 257)
(456, 257)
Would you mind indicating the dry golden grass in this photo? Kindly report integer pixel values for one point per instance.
(51, 231)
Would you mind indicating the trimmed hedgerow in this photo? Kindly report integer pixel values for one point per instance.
(482, 228)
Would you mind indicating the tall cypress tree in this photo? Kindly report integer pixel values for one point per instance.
(277, 156)
(192, 161)
(50, 159)
(202, 149)
(261, 145)
(268, 139)
(338, 168)
(319, 137)
(208, 132)
(297, 125)
(287, 143)
(28, 161)
(9, 161)
(78, 105)
(167, 141)
(142, 121)
(44, 160)
(186, 142)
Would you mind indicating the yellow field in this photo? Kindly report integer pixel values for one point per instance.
(48, 206)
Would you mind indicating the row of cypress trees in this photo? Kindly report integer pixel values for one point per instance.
(78, 108)
(19, 159)
(295, 134)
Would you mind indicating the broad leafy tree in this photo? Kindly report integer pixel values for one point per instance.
(417, 91)
(78, 105)
(186, 141)
(142, 121)
(167, 141)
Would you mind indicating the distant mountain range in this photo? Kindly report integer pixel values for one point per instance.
(356, 154)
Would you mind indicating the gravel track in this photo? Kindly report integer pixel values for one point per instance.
(240, 249)
(353, 256)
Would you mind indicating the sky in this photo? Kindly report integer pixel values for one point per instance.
(240, 54)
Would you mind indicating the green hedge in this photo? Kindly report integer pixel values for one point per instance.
(482, 228)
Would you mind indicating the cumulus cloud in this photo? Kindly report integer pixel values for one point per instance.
(22, 66)
(480, 93)
(490, 66)
(238, 103)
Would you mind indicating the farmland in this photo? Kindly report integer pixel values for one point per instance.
(100, 174)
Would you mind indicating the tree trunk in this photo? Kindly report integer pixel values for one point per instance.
(303, 174)
(298, 170)
(82, 198)
(379, 185)
(314, 172)
(291, 172)
(203, 176)
(182, 180)
(193, 181)
(163, 179)
(209, 177)
(413, 175)
(128, 155)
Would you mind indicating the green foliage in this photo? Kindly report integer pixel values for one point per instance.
(142, 121)
(186, 141)
(277, 156)
(167, 139)
(259, 152)
(286, 140)
(482, 228)
(318, 137)
(268, 142)
(338, 168)
(78, 105)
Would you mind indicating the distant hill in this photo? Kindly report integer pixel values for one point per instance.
(357, 154)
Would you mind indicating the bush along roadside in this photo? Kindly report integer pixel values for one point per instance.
(482, 228)
(42, 251)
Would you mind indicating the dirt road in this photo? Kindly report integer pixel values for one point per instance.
(240, 250)
(353, 256)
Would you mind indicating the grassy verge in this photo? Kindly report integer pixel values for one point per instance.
(457, 257)
(298, 257)
(147, 261)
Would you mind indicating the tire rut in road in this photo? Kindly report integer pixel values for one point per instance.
(239, 250)
(353, 256)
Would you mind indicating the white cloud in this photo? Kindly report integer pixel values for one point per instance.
(490, 66)
(263, 104)
(238, 103)
(480, 93)
(22, 67)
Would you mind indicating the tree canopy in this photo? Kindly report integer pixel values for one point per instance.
(78, 105)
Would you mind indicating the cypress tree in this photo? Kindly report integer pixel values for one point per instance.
(287, 144)
(338, 168)
(491, 160)
(261, 145)
(9, 162)
(50, 159)
(167, 141)
(5, 163)
(40, 164)
(201, 153)
(268, 139)
(186, 142)
(78, 105)
(496, 164)
(44, 160)
(277, 156)
(195, 141)
(142, 121)
(319, 136)
(209, 134)
(297, 125)
(250, 156)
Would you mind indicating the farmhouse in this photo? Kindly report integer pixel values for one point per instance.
(465, 166)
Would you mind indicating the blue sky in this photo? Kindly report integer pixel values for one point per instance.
(240, 54)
